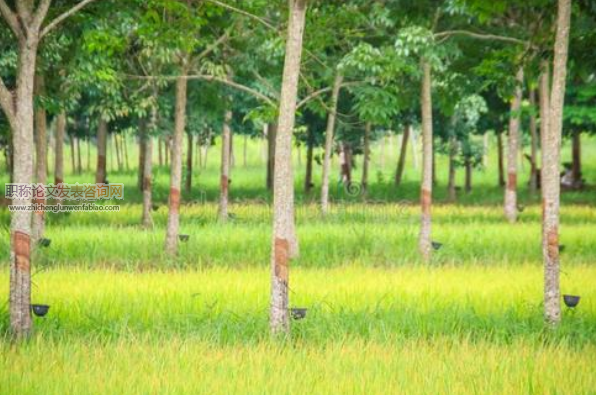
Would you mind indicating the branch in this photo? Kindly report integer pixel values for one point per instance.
(481, 36)
(242, 12)
(204, 77)
(63, 16)
(318, 93)
(7, 102)
(11, 19)
(41, 13)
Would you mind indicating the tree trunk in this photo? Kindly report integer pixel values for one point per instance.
(41, 154)
(401, 164)
(167, 145)
(501, 161)
(20, 227)
(345, 163)
(102, 142)
(59, 150)
(116, 140)
(468, 167)
(576, 155)
(125, 151)
(232, 155)
(550, 168)
(366, 157)
(189, 148)
(176, 167)
(160, 151)
(88, 164)
(452, 193)
(424, 242)
(308, 185)
(329, 142)
(73, 153)
(224, 180)
(146, 153)
(79, 164)
(285, 243)
(271, 137)
(533, 146)
(513, 142)
(140, 174)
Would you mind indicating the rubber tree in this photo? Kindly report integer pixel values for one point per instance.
(550, 168)
(28, 27)
(513, 149)
(284, 241)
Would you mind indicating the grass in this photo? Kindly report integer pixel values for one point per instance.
(126, 319)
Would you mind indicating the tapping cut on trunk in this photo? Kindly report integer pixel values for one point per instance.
(22, 250)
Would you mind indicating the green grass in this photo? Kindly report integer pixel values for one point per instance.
(125, 319)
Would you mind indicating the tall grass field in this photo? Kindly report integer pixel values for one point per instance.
(126, 319)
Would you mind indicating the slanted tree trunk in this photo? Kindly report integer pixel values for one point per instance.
(271, 137)
(59, 148)
(501, 160)
(533, 146)
(424, 241)
(401, 164)
(452, 193)
(366, 159)
(41, 154)
(550, 168)
(310, 143)
(176, 166)
(146, 153)
(224, 181)
(189, 147)
(102, 142)
(329, 142)
(468, 167)
(285, 243)
(576, 158)
(514, 123)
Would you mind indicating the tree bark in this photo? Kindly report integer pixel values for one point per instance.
(102, 142)
(271, 137)
(424, 241)
(401, 164)
(141, 155)
(224, 180)
(330, 130)
(501, 160)
(21, 121)
(513, 142)
(345, 163)
(41, 154)
(550, 168)
(189, 148)
(124, 151)
(284, 242)
(366, 159)
(176, 166)
(533, 146)
(59, 148)
(116, 140)
(73, 153)
(160, 151)
(79, 164)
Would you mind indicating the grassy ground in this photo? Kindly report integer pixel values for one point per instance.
(126, 319)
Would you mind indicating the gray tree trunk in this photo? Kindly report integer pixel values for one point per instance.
(224, 179)
(284, 241)
(469, 169)
(146, 166)
(533, 146)
(500, 159)
(366, 160)
(59, 148)
(271, 136)
(550, 168)
(176, 167)
(452, 193)
(330, 130)
(73, 153)
(424, 241)
(512, 151)
(79, 164)
(189, 148)
(41, 155)
(401, 164)
(309, 159)
(102, 142)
